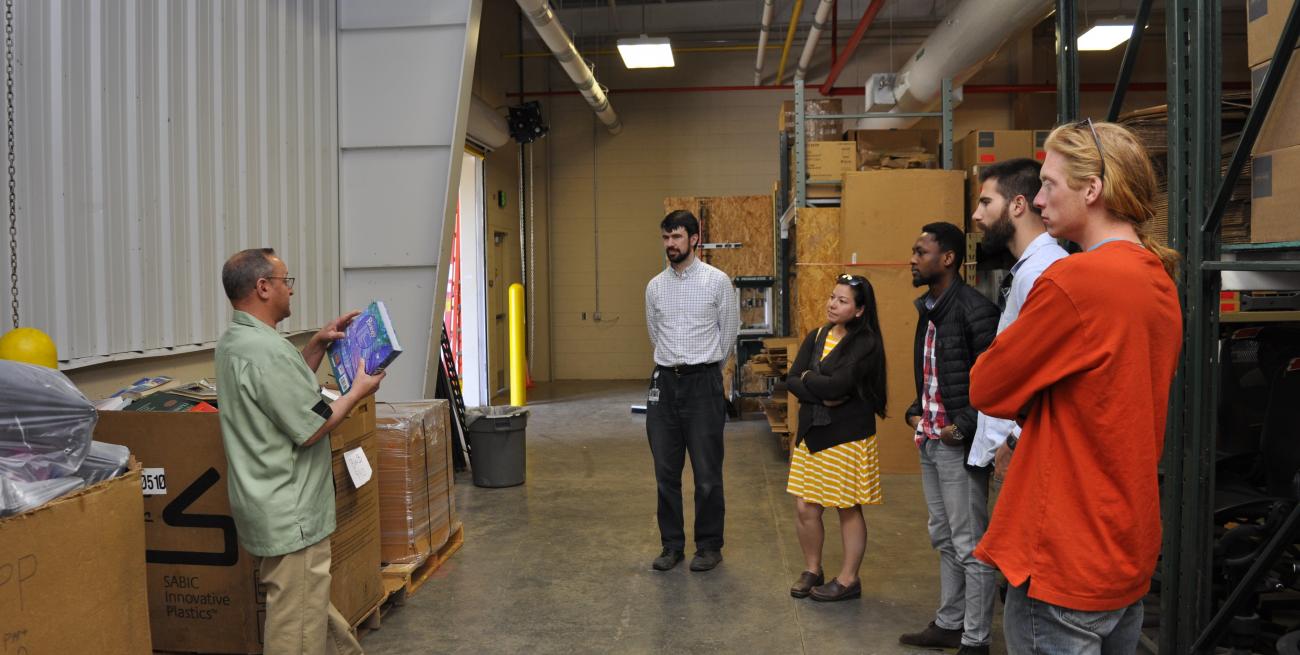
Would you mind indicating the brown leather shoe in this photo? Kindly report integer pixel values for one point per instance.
(807, 580)
(933, 637)
(833, 591)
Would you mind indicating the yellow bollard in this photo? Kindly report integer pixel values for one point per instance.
(518, 358)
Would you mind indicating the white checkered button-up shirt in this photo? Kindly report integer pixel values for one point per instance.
(693, 317)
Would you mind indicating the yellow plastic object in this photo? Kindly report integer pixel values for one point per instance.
(30, 346)
(518, 358)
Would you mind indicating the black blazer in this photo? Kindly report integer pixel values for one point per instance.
(841, 377)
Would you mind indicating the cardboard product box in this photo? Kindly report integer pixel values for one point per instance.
(1264, 22)
(356, 585)
(416, 480)
(828, 160)
(884, 148)
(1275, 196)
(813, 190)
(813, 130)
(72, 574)
(1281, 127)
(989, 146)
(1040, 144)
(203, 590)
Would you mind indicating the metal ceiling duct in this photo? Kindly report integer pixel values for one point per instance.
(968, 38)
(552, 32)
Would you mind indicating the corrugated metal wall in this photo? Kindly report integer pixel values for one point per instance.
(154, 138)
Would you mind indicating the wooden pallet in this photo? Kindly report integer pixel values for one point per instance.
(402, 580)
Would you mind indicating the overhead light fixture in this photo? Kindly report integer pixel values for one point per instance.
(646, 52)
(1106, 34)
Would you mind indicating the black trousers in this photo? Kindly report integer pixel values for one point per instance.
(685, 413)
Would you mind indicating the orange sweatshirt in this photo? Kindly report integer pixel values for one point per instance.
(1088, 366)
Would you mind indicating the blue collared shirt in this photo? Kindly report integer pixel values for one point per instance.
(991, 433)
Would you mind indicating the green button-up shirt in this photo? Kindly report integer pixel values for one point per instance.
(281, 492)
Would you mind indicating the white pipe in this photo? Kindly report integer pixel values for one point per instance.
(763, 29)
(548, 27)
(967, 39)
(818, 25)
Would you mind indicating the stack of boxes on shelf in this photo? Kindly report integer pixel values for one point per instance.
(1275, 173)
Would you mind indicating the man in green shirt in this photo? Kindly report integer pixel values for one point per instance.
(275, 426)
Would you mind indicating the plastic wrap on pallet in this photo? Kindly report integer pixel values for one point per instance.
(45, 423)
(416, 481)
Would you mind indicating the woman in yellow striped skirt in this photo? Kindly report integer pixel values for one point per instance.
(839, 378)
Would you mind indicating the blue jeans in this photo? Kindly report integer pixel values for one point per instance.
(957, 500)
(1033, 627)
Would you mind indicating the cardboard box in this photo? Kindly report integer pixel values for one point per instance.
(988, 146)
(1264, 22)
(1275, 196)
(882, 215)
(203, 590)
(828, 160)
(356, 584)
(1040, 144)
(1281, 127)
(72, 574)
(813, 130)
(416, 480)
(880, 148)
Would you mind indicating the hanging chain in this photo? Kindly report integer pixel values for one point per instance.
(9, 122)
(531, 295)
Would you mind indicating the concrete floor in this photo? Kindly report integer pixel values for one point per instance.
(562, 563)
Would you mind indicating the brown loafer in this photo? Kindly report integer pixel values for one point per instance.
(807, 580)
(833, 591)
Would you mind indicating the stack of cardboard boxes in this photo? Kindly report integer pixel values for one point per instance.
(1275, 174)
(417, 504)
(202, 587)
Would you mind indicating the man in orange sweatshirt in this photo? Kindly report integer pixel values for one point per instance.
(1087, 370)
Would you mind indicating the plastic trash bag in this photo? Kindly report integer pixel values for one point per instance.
(104, 461)
(45, 424)
(17, 496)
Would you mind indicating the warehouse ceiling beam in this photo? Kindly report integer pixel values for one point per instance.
(814, 35)
(548, 27)
(860, 31)
(789, 39)
(1130, 59)
(764, 29)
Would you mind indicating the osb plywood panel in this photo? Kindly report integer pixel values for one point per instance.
(884, 213)
(817, 259)
(747, 220)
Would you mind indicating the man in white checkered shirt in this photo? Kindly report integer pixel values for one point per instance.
(693, 318)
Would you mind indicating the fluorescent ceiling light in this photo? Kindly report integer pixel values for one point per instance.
(1106, 34)
(646, 52)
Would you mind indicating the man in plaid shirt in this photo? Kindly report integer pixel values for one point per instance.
(693, 318)
(956, 325)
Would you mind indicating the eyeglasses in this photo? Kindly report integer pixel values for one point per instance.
(288, 281)
(1096, 140)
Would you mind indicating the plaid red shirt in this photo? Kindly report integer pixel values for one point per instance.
(933, 416)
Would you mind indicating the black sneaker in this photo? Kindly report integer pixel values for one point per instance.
(667, 559)
(933, 637)
(967, 649)
(705, 560)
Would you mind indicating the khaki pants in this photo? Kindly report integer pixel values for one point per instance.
(300, 619)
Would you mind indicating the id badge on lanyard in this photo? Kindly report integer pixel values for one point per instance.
(653, 396)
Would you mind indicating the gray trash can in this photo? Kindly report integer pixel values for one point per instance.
(496, 445)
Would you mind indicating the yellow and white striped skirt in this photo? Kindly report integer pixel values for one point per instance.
(841, 476)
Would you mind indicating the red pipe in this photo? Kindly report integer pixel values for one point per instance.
(843, 59)
(1105, 87)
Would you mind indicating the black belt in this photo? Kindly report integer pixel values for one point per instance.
(687, 369)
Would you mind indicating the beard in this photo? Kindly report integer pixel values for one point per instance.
(921, 280)
(998, 235)
(677, 256)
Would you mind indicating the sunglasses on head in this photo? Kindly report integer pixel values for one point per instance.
(851, 280)
(1097, 140)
